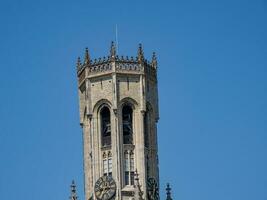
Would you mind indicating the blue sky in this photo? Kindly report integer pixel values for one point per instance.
(212, 86)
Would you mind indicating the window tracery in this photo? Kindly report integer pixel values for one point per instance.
(107, 164)
(129, 168)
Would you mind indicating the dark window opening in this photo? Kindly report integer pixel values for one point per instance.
(126, 178)
(132, 178)
(127, 118)
(105, 127)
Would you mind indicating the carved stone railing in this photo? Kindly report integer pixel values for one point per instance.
(127, 66)
(100, 67)
(122, 64)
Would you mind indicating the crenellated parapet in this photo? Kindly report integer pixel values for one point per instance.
(115, 63)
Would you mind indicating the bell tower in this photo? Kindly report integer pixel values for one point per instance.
(118, 103)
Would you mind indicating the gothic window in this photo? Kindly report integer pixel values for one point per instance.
(129, 168)
(127, 119)
(105, 127)
(107, 164)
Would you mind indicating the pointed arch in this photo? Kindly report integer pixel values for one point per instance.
(102, 112)
(129, 101)
(99, 104)
(127, 107)
(105, 126)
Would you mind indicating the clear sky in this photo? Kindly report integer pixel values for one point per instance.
(212, 84)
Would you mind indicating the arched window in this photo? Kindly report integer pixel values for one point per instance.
(127, 119)
(105, 127)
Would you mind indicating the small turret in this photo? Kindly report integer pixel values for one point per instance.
(73, 194)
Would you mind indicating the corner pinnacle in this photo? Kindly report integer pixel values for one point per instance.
(86, 56)
(140, 53)
(154, 60)
(78, 64)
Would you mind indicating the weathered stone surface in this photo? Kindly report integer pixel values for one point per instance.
(115, 82)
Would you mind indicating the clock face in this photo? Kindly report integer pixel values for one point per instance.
(152, 189)
(105, 188)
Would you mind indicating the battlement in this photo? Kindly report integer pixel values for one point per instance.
(114, 63)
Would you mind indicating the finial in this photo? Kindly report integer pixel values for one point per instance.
(168, 189)
(140, 53)
(78, 64)
(154, 60)
(86, 56)
(112, 50)
(73, 194)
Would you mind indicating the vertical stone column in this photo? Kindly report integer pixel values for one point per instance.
(96, 151)
(141, 142)
(140, 149)
(87, 159)
(88, 96)
(156, 153)
(116, 147)
(116, 156)
(154, 149)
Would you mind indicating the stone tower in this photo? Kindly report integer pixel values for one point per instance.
(118, 98)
